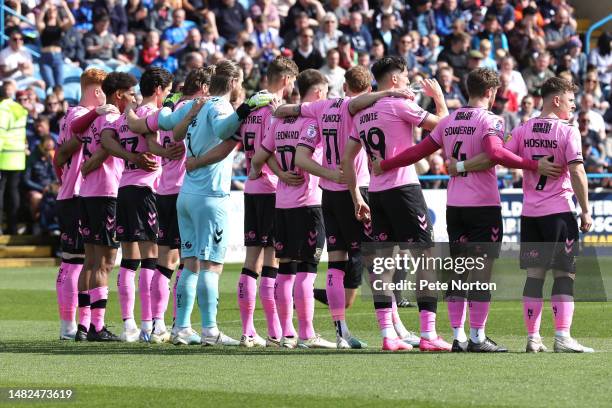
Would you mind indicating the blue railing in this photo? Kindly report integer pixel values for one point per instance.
(592, 28)
(3, 37)
(430, 177)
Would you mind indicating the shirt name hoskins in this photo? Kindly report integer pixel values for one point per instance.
(289, 134)
(549, 144)
(459, 130)
(368, 117)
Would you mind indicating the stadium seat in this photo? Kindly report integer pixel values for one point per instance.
(72, 73)
(72, 93)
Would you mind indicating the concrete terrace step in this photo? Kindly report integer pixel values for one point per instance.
(27, 240)
(26, 251)
(28, 262)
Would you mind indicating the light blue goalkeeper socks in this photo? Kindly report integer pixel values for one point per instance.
(208, 297)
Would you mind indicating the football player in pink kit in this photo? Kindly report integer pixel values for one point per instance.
(68, 157)
(137, 224)
(399, 212)
(549, 231)
(473, 213)
(299, 231)
(343, 231)
(101, 176)
(259, 200)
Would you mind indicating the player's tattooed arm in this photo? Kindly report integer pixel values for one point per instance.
(581, 189)
(288, 109)
(95, 161)
(136, 124)
(180, 131)
(258, 161)
(65, 151)
(214, 155)
(303, 159)
(347, 164)
(111, 144)
(366, 100)
(477, 163)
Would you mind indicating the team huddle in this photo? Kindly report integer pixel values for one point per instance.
(155, 179)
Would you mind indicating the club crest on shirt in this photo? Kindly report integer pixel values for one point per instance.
(312, 131)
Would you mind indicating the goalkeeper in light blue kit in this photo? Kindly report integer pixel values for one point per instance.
(204, 197)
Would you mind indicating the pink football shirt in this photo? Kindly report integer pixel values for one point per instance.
(172, 171)
(103, 181)
(461, 135)
(540, 137)
(283, 138)
(71, 170)
(136, 143)
(336, 126)
(252, 133)
(384, 130)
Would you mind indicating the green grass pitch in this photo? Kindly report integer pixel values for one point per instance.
(141, 375)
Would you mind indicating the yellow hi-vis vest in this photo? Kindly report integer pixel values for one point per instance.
(13, 118)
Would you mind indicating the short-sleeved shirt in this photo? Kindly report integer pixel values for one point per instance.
(384, 130)
(540, 137)
(336, 126)
(136, 143)
(283, 138)
(252, 132)
(462, 135)
(71, 170)
(103, 181)
(172, 171)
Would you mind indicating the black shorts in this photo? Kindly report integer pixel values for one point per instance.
(136, 214)
(299, 233)
(343, 231)
(69, 216)
(474, 231)
(549, 242)
(401, 215)
(259, 219)
(98, 220)
(168, 221)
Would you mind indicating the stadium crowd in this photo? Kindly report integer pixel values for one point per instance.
(527, 41)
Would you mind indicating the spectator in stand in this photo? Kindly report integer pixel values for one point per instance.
(388, 33)
(266, 39)
(591, 86)
(193, 43)
(191, 61)
(361, 39)
(39, 178)
(100, 43)
(592, 137)
(577, 63)
(52, 21)
(314, 12)
(446, 16)
(267, 9)
(504, 13)
(485, 50)
(252, 76)
(16, 61)
(328, 34)
(492, 32)
(517, 83)
(528, 109)
(526, 32)
(436, 168)
(348, 56)
(404, 50)
(457, 55)
(334, 74)
(231, 19)
(389, 7)
(452, 94)
(166, 59)
(199, 12)
(83, 15)
(536, 75)
(560, 33)
(306, 55)
(42, 130)
(161, 16)
(601, 58)
(422, 18)
(73, 48)
(507, 92)
(500, 108)
(596, 120)
(128, 53)
(291, 36)
(177, 32)
(54, 110)
(378, 50)
(139, 19)
(150, 49)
